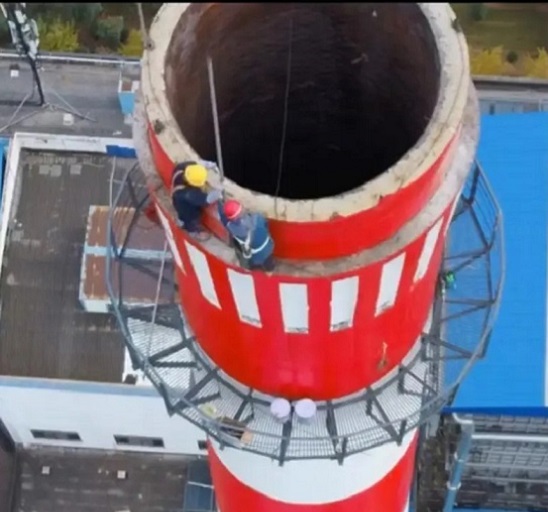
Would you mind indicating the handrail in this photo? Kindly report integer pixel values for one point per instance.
(341, 445)
(76, 58)
(85, 58)
(461, 456)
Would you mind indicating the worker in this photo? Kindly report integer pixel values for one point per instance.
(189, 195)
(449, 280)
(249, 235)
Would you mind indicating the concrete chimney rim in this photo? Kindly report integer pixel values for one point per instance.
(445, 123)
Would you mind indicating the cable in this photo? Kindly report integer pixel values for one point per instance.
(215, 113)
(284, 126)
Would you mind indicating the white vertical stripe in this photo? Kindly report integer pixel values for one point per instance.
(201, 268)
(406, 507)
(243, 291)
(294, 300)
(344, 296)
(428, 250)
(170, 239)
(390, 283)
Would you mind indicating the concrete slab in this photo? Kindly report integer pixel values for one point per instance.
(44, 331)
(87, 481)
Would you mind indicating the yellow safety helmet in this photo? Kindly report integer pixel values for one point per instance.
(196, 175)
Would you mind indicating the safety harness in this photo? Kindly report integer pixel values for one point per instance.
(245, 245)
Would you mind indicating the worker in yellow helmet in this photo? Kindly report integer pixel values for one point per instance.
(189, 194)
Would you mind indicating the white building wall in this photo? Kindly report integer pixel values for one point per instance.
(96, 412)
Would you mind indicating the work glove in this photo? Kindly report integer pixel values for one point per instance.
(210, 166)
(214, 196)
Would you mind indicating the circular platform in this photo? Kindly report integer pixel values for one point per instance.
(163, 347)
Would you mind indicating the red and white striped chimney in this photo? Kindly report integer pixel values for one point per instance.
(380, 132)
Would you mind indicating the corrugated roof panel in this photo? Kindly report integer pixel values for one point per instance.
(514, 154)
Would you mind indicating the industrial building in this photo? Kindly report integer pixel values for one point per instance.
(502, 405)
(65, 370)
(67, 411)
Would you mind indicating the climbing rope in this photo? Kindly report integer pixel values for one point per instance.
(284, 125)
(215, 114)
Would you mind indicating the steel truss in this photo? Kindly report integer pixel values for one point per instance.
(162, 345)
(507, 467)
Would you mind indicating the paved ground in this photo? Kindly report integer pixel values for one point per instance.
(44, 330)
(92, 90)
(86, 481)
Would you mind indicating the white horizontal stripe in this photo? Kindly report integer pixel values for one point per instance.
(170, 239)
(428, 250)
(294, 301)
(245, 298)
(344, 296)
(390, 283)
(313, 481)
(201, 268)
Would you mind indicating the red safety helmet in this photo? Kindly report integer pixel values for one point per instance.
(232, 209)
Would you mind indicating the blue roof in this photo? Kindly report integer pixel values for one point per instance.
(513, 152)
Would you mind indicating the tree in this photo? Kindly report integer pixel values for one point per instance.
(537, 67)
(58, 36)
(512, 57)
(109, 30)
(5, 34)
(479, 11)
(488, 62)
(86, 13)
(133, 47)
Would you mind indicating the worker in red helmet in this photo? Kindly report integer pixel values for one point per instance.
(250, 236)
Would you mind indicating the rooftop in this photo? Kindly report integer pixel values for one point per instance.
(44, 330)
(85, 480)
(514, 154)
(89, 89)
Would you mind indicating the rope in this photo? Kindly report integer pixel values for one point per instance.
(284, 126)
(215, 114)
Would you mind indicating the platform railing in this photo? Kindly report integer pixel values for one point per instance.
(162, 345)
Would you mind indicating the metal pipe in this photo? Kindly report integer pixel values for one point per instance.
(72, 59)
(461, 456)
(215, 113)
(512, 438)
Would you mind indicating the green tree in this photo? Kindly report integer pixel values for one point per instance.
(133, 47)
(51, 11)
(57, 35)
(488, 62)
(87, 13)
(512, 57)
(537, 67)
(108, 30)
(479, 11)
(5, 35)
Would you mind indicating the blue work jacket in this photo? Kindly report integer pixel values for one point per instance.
(250, 232)
(188, 201)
